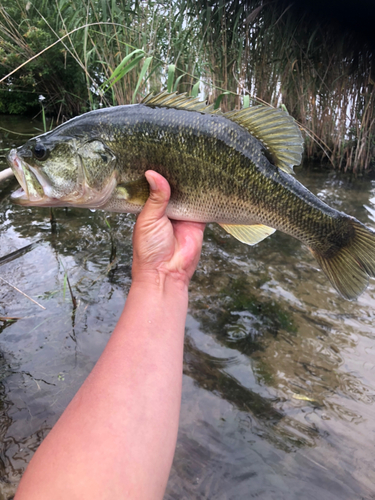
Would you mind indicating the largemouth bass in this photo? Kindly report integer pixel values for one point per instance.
(231, 168)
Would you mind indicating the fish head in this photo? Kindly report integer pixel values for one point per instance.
(56, 169)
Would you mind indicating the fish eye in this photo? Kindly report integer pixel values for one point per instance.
(40, 151)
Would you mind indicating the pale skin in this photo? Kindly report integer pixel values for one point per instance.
(117, 437)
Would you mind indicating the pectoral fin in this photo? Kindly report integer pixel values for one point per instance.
(135, 192)
(251, 235)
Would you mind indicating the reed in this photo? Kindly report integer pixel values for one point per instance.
(324, 77)
(116, 52)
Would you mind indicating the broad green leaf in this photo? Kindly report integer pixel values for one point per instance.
(195, 89)
(119, 69)
(145, 66)
(177, 82)
(246, 101)
(124, 71)
(171, 72)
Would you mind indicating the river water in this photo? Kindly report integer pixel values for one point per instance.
(279, 371)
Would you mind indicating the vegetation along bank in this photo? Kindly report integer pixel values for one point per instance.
(83, 55)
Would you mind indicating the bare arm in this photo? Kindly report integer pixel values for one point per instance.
(117, 437)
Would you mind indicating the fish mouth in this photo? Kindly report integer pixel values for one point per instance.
(35, 189)
(31, 191)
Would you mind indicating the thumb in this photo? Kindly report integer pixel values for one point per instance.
(160, 193)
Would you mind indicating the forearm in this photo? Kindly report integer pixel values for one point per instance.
(135, 389)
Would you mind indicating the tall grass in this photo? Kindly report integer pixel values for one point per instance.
(120, 50)
(324, 77)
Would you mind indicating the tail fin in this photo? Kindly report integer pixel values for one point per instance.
(351, 266)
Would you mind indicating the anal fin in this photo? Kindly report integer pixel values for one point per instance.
(251, 235)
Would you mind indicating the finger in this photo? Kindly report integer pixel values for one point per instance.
(160, 193)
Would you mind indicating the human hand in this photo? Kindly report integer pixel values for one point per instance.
(164, 248)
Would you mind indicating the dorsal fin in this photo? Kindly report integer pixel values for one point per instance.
(178, 101)
(275, 129)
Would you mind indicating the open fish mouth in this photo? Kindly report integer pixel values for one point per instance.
(32, 190)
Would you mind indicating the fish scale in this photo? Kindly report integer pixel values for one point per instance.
(231, 168)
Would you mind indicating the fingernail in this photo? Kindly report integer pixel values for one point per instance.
(151, 183)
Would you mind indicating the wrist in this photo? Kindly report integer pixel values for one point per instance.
(160, 281)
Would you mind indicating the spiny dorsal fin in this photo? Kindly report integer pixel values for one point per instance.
(276, 130)
(251, 235)
(178, 101)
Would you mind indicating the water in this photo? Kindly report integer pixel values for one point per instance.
(279, 371)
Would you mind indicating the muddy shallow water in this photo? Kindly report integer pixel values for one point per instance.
(279, 371)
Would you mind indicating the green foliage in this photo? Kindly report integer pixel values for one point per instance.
(115, 52)
(24, 34)
(18, 103)
(171, 73)
(195, 89)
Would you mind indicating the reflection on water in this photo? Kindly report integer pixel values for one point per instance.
(279, 371)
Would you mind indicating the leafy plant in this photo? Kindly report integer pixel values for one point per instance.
(114, 52)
